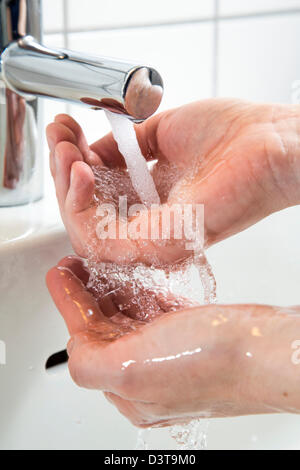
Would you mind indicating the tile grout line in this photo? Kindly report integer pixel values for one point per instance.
(66, 37)
(66, 23)
(264, 14)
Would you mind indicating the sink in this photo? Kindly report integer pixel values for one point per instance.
(16, 228)
(43, 409)
(39, 408)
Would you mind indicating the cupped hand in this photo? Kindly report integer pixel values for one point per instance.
(209, 361)
(241, 160)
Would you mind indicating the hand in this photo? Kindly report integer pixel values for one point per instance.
(210, 361)
(241, 160)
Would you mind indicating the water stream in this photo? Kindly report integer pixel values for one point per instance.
(192, 283)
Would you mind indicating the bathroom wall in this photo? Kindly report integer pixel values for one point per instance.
(203, 48)
(248, 49)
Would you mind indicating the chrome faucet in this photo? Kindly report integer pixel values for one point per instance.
(29, 70)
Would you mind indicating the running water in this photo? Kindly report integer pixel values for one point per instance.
(206, 276)
(142, 182)
(124, 135)
(152, 290)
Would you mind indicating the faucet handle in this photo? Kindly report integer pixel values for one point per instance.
(30, 44)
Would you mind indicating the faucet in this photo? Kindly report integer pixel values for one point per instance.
(30, 70)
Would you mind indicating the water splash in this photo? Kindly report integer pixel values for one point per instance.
(143, 292)
(191, 436)
(207, 277)
(143, 439)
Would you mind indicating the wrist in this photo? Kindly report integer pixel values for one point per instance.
(282, 152)
(270, 365)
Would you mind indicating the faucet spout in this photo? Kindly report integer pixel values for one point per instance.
(30, 69)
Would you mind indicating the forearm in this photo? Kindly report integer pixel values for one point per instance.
(270, 361)
(252, 354)
(233, 359)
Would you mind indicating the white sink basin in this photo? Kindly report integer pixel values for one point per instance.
(42, 410)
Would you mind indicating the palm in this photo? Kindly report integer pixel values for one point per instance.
(224, 154)
(183, 365)
(229, 156)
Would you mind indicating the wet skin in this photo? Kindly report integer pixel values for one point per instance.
(204, 361)
(243, 162)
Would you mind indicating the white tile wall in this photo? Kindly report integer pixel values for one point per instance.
(261, 264)
(259, 58)
(96, 14)
(230, 7)
(53, 15)
(51, 108)
(256, 58)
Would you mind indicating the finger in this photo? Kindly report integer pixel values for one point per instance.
(89, 155)
(77, 266)
(143, 414)
(138, 303)
(108, 151)
(82, 188)
(66, 154)
(146, 301)
(107, 147)
(127, 408)
(147, 134)
(108, 306)
(99, 287)
(103, 364)
(56, 133)
(77, 306)
(161, 136)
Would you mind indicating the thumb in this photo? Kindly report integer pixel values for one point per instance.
(77, 306)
